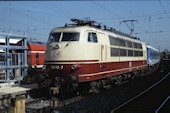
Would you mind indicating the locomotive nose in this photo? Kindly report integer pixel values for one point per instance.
(55, 46)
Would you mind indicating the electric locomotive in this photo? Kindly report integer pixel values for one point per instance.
(88, 55)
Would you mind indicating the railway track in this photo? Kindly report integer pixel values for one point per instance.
(113, 100)
(101, 102)
(149, 100)
(105, 101)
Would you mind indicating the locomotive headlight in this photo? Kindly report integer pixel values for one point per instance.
(74, 67)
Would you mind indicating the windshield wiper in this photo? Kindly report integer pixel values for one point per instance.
(72, 39)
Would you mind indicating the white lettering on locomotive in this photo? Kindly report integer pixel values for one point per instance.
(57, 67)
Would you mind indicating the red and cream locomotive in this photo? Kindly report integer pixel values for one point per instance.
(88, 54)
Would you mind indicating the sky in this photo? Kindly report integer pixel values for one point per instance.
(37, 18)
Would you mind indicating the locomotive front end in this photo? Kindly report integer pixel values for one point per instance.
(70, 55)
(61, 49)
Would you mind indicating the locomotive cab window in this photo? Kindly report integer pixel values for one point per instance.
(92, 37)
(65, 36)
(70, 37)
(55, 37)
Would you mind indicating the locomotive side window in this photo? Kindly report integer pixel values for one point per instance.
(123, 52)
(114, 51)
(135, 45)
(140, 53)
(130, 52)
(129, 44)
(140, 46)
(92, 37)
(55, 37)
(113, 41)
(135, 53)
(70, 37)
(122, 42)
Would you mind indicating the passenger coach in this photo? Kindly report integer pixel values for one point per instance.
(153, 56)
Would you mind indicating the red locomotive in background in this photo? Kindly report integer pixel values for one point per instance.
(36, 54)
(35, 60)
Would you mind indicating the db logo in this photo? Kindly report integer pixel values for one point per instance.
(55, 54)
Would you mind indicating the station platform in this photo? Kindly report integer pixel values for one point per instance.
(17, 89)
(10, 92)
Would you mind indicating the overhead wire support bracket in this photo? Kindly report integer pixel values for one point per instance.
(131, 27)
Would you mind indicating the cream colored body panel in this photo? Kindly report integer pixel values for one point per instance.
(84, 50)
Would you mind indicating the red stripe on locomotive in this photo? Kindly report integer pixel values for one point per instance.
(96, 71)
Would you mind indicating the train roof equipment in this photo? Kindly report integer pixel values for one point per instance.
(79, 22)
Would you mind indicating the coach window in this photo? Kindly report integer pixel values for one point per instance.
(92, 37)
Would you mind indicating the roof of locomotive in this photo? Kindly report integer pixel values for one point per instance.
(88, 27)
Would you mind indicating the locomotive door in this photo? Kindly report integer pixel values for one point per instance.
(103, 47)
(103, 51)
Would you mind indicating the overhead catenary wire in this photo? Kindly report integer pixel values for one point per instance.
(15, 11)
(69, 14)
(164, 9)
(107, 10)
(138, 16)
(55, 13)
(24, 24)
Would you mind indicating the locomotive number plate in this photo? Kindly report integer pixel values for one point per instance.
(57, 67)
